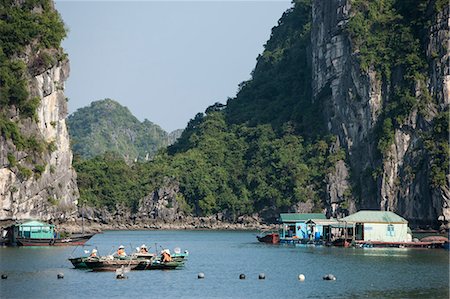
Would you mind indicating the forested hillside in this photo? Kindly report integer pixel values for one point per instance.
(347, 108)
(250, 156)
(107, 126)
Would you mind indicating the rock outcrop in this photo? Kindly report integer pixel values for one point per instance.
(37, 180)
(354, 99)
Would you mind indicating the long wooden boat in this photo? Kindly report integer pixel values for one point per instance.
(73, 240)
(134, 262)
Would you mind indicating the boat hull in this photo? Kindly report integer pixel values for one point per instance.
(113, 265)
(273, 238)
(133, 263)
(75, 240)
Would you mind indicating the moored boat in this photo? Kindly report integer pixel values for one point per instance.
(36, 233)
(80, 262)
(136, 261)
(269, 237)
(110, 263)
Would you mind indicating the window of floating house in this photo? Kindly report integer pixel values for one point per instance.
(390, 230)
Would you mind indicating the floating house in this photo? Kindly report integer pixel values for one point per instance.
(300, 227)
(35, 230)
(377, 226)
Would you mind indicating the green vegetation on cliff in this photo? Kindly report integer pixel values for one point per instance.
(30, 35)
(391, 37)
(32, 27)
(107, 126)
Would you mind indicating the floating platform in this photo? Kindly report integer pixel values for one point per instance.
(419, 244)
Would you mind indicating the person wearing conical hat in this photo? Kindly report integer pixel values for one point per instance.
(121, 251)
(143, 249)
(165, 256)
(93, 253)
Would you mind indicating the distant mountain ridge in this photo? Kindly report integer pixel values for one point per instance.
(107, 126)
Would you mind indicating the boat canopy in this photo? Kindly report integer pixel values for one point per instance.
(36, 230)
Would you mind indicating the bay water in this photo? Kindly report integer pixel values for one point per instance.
(222, 256)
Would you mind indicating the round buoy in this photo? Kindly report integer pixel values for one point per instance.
(201, 275)
(301, 277)
(4, 276)
(242, 276)
(329, 277)
(121, 276)
(60, 275)
(262, 276)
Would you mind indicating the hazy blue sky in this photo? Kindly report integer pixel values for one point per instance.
(165, 61)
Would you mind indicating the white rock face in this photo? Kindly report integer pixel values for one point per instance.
(52, 194)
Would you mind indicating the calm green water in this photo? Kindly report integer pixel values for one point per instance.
(222, 256)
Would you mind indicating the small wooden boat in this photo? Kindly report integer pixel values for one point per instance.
(159, 265)
(269, 237)
(80, 262)
(136, 261)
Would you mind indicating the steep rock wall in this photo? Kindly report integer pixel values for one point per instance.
(353, 103)
(52, 194)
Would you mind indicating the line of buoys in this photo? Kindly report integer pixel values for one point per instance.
(301, 277)
(4, 276)
(60, 275)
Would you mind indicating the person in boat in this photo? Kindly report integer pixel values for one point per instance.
(121, 251)
(143, 249)
(93, 253)
(165, 256)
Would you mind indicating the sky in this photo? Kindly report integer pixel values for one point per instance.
(164, 60)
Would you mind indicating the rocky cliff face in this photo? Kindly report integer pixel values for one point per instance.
(52, 193)
(354, 100)
(37, 180)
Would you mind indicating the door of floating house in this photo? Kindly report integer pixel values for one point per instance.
(359, 231)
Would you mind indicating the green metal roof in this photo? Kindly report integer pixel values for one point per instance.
(297, 217)
(35, 223)
(375, 217)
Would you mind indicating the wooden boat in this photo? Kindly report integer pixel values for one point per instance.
(159, 265)
(270, 237)
(80, 262)
(136, 261)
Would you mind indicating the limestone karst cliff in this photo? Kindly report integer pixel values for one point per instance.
(36, 176)
(357, 102)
